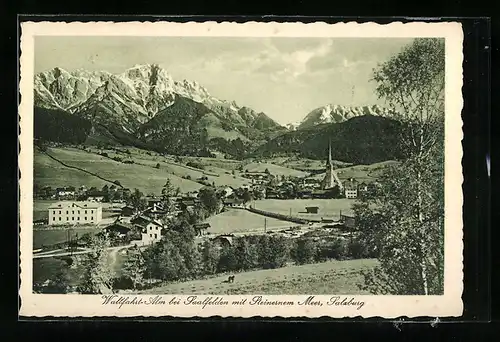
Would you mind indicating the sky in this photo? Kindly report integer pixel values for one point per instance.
(285, 78)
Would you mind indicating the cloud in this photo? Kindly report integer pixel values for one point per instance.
(290, 64)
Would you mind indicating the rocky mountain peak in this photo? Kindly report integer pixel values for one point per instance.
(332, 113)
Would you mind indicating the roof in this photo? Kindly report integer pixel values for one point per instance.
(120, 224)
(200, 225)
(312, 207)
(83, 205)
(146, 219)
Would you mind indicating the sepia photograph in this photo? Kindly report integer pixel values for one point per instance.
(247, 166)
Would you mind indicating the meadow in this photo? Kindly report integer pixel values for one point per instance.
(241, 221)
(142, 174)
(48, 237)
(48, 172)
(332, 277)
(328, 208)
(273, 169)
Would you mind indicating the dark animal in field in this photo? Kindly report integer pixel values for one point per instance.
(230, 279)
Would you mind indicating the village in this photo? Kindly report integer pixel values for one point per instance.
(133, 218)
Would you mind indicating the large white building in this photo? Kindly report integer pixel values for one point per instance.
(75, 213)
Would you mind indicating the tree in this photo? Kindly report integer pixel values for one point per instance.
(210, 200)
(134, 267)
(96, 274)
(210, 256)
(157, 166)
(410, 204)
(137, 200)
(246, 254)
(246, 196)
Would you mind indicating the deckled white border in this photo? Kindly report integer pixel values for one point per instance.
(450, 304)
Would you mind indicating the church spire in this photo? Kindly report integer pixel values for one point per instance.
(329, 160)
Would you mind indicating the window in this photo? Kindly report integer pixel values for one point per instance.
(156, 236)
(54, 212)
(78, 212)
(91, 218)
(59, 219)
(85, 211)
(67, 212)
(59, 212)
(91, 211)
(72, 219)
(78, 218)
(150, 235)
(67, 218)
(72, 211)
(85, 218)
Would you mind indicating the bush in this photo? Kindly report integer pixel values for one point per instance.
(336, 249)
(304, 251)
(196, 165)
(157, 166)
(228, 262)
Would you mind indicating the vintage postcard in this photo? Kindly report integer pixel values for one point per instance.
(240, 170)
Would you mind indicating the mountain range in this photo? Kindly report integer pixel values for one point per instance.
(145, 107)
(147, 104)
(332, 113)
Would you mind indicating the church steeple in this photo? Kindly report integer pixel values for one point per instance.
(329, 157)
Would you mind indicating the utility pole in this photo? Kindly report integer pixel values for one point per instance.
(265, 225)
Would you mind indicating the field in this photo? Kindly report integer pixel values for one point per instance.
(142, 174)
(48, 237)
(328, 208)
(274, 169)
(333, 277)
(240, 221)
(303, 164)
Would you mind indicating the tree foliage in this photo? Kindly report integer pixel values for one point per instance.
(404, 221)
(96, 274)
(134, 267)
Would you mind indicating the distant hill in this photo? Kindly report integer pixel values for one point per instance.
(361, 140)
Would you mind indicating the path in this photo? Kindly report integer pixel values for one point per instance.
(52, 254)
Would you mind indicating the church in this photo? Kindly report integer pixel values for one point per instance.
(331, 179)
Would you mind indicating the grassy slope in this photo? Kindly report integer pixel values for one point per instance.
(333, 277)
(217, 175)
(273, 169)
(147, 179)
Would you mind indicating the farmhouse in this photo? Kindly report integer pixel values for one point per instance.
(66, 192)
(348, 221)
(312, 210)
(75, 213)
(119, 227)
(151, 228)
(95, 198)
(201, 228)
(128, 211)
(351, 188)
